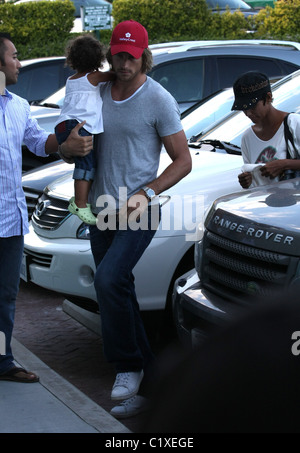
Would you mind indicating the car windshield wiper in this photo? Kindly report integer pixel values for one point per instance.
(48, 104)
(230, 148)
(45, 104)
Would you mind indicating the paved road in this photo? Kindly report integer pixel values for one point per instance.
(65, 345)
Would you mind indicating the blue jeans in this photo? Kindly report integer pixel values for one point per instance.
(116, 252)
(84, 166)
(11, 251)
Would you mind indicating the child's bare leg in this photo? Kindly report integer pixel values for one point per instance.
(82, 188)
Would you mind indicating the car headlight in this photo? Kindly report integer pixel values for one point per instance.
(83, 232)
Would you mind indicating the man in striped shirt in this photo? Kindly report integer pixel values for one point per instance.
(17, 127)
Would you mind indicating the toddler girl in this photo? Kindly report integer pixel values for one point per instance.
(83, 102)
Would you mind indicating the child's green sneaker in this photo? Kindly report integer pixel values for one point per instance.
(85, 214)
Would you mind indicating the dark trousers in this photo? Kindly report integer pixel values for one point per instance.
(11, 252)
(116, 252)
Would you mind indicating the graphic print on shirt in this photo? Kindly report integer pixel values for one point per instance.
(267, 155)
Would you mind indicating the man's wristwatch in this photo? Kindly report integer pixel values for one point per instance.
(150, 194)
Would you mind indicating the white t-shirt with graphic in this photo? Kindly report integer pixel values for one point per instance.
(258, 152)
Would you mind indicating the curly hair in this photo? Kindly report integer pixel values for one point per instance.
(147, 60)
(85, 53)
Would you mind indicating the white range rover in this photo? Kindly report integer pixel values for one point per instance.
(57, 250)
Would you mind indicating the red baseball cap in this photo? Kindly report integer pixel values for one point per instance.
(129, 36)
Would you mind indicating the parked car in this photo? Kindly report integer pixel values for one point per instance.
(34, 181)
(193, 71)
(259, 4)
(57, 250)
(185, 69)
(232, 5)
(250, 253)
(41, 77)
(209, 296)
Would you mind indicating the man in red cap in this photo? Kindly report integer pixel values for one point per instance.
(140, 117)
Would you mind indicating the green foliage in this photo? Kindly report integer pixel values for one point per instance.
(105, 36)
(180, 20)
(229, 26)
(38, 29)
(43, 28)
(280, 22)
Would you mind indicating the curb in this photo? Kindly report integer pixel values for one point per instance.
(67, 394)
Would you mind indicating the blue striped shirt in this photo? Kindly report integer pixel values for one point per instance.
(16, 127)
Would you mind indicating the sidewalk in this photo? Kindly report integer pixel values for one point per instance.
(51, 406)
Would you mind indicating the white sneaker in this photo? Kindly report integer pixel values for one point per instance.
(126, 385)
(133, 406)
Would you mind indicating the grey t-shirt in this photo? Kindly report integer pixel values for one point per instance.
(128, 150)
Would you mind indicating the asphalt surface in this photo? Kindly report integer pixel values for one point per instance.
(66, 346)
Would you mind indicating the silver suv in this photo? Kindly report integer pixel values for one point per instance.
(250, 247)
(41, 77)
(197, 69)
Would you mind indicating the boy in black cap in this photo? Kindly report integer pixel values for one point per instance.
(263, 146)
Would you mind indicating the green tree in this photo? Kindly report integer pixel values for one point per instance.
(280, 22)
(181, 20)
(38, 29)
(168, 20)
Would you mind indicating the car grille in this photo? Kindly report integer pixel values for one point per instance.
(234, 270)
(32, 197)
(42, 259)
(50, 212)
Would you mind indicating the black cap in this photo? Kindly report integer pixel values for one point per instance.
(249, 89)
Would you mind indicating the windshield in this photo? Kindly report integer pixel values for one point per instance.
(286, 94)
(207, 113)
(56, 98)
